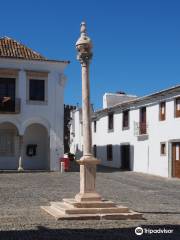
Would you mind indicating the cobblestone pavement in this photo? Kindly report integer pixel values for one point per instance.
(22, 194)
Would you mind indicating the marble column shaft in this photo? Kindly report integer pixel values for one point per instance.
(86, 114)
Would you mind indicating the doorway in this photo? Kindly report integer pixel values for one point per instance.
(125, 156)
(176, 159)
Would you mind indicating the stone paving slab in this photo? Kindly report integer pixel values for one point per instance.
(22, 194)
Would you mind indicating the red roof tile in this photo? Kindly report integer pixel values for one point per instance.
(10, 48)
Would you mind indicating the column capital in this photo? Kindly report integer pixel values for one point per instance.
(84, 58)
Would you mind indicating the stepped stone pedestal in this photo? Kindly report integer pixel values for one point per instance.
(70, 209)
(88, 204)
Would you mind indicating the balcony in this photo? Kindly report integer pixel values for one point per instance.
(9, 105)
(141, 130)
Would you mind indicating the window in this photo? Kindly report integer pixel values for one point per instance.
(163, 149)
(177, 107)
(7, 94)
(94, 150)
(95, 124)
(36, 90)
(143, 124)
(6, 143)
(162, 111)
(110, 121)
(125, 119)
(109, 152)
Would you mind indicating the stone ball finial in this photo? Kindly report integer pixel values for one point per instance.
(83, 28)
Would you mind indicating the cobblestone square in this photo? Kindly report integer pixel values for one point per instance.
(22, 194)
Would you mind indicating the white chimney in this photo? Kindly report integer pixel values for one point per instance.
(111, 99)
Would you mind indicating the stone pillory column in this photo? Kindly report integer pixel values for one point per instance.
(87, 162)
(88, 204)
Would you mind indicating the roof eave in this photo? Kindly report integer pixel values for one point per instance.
(39, 60)
(137, 100)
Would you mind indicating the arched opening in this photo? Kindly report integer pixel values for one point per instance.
(9, 146)
(36, 148)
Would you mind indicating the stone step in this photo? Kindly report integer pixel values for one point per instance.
(122, 216)
(70, 209)
(90, 204)
(52, 212)
(60, 207)
(109, 216)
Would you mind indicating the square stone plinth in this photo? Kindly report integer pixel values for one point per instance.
(72, 209)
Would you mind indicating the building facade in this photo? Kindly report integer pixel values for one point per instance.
(31, 108)
(141, 134)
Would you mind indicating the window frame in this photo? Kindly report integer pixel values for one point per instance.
(163, 150)
(36, 102)
(162, 117)
(95, 150)
(95, 126)
(32, 94)
(124, 127)
(143, 120)
(111, 122)
(176, 111)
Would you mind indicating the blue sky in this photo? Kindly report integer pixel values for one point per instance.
(136, 43)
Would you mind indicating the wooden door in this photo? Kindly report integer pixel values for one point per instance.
(176, 159)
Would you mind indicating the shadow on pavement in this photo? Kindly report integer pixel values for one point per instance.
(43, 233)
(74, 167)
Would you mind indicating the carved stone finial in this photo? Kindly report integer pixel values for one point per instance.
(83, 28)
(84, 45)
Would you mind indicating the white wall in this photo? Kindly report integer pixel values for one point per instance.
(50, 114)
(36, 134)
(147, 156)
(145, 152)
(76, 136)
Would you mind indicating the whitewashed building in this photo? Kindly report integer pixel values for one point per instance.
(140, 134)
(31, 108)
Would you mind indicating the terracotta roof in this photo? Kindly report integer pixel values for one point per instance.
(10, 48)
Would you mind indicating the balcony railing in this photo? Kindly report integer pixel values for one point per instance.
(140, 128)
(9, 105)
